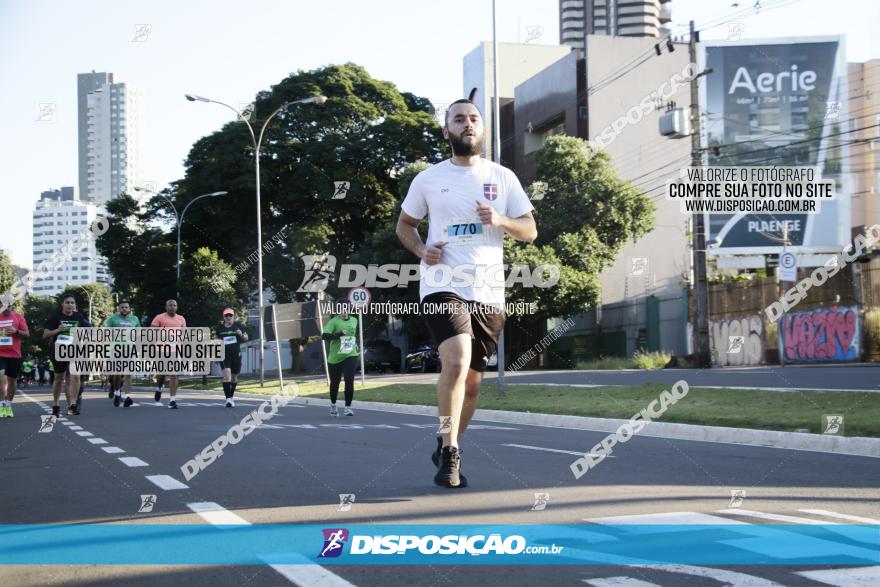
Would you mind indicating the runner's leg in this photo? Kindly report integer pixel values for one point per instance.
(455, 355)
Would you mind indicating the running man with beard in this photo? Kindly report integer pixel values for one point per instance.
(123, 318)
(169, 319)
(471, 203)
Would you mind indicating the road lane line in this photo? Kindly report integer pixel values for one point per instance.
(84, 433)
(830, 514)
(774, 517)
(113, 450)
(666, 518)
(565, 452)
(133, 462)
(97, 440)
(166, 482)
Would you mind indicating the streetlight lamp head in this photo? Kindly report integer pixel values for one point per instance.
(319, 100)
(194, 98)
(218, 193)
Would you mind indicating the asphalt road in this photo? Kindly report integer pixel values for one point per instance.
(293, 470)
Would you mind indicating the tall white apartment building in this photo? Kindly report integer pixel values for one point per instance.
(61, 233)
(113, 142)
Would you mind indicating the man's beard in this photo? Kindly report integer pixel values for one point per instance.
(462, 149)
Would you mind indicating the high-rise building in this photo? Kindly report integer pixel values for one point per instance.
(85, 83)
(625, 18)
(64, 248)
(113, 141)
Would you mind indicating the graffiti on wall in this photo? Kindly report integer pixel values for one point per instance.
(821, 335)
(737, 341)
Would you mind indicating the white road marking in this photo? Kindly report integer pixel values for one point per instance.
(830, 514)
(666, 518)
(846, 576)
(215, 514)
(83, 433)
(113, 450)
(97, 440)
(774, 517)
(723, 576)
(75, 428)
(619, 582)
(307, 574)
(166, 482)
(133, 462)
(541, 448)
(310, 575)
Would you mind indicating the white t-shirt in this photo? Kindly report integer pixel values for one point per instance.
(448, 195)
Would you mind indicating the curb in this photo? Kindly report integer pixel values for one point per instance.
(825, 443)
(853, 446)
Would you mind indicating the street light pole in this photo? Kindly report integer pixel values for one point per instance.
(179, 218)
(257, 142)
(89, 294)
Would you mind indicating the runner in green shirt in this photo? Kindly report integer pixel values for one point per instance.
(341, 332)
(123, 318)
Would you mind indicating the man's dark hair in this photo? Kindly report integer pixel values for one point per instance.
(461, 101)
(122, 302)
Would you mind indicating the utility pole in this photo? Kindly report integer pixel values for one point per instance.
(701, 285)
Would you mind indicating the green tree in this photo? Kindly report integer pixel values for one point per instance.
(7, 277)
(37, 310)
(365, 133)
(102, 304)
(206, 288)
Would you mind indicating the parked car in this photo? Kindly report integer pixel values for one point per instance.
(381, 355)
(425, 358)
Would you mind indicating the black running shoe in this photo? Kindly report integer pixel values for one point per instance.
(157, 396)
(111, 393)
(117, 400)
(172, 404)
(435, 456)
(448, 473)
(56, 411)
(127, 403)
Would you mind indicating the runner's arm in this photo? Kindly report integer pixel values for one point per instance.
(408, 233)
(522, 228)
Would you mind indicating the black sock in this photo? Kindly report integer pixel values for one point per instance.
(233, 384)
(226, 389)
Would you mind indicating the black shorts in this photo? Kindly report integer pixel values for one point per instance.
(60, 366)
(11, 366)
(232, 363)
(481, 321)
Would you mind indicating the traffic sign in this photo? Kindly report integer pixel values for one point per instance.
(359, 297)
(788, 266)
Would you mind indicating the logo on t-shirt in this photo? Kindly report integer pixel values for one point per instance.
(490, 191)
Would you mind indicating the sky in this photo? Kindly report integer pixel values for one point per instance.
(231, 50)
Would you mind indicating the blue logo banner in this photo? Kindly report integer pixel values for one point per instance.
(144, 544)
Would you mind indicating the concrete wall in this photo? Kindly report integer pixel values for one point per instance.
(659, 262)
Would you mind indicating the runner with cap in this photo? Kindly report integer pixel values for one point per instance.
(232, 333)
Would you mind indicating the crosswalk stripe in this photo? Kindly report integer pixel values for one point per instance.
(215, 514)
(133, 462)
(845, 577)
(619, 582)
(112, 449)
(97, 440)
(774, 517)
(830, 514)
